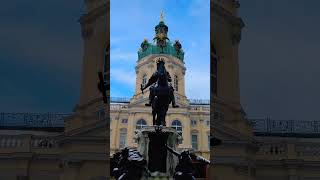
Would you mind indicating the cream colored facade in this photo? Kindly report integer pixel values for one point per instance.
(245, 154)
(194, 118)
(80, 151)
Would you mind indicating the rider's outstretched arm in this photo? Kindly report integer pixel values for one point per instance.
(152, 80)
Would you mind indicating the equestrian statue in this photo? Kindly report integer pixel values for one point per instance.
(161, 94)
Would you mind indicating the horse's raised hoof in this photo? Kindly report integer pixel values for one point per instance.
(147, 104)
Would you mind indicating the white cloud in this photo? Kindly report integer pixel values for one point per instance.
(127, 78)
(118, 54)
(198, 84)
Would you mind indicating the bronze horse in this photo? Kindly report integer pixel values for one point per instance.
(161, 94)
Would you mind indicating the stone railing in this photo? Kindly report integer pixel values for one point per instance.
(27, 142)
(275, 150)
(43, 142)
(292, 149)
(12, 141)
(311, 150)
(199, 108)
(199, 101)
(116, 107)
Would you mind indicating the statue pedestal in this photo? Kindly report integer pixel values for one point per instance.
(152, 146)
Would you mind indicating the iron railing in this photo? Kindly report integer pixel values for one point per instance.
(199, 101)
(38, 120)
(120, 100)
(192, 101)
(286, 127)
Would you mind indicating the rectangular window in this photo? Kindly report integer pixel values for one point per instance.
(194, 139)
(123, 138)
(193, 122)
(176, 83)
(124, 121)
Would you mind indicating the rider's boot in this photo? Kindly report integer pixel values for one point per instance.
(174, 103)
(173, 100)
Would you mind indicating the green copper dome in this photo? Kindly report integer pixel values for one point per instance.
(162, 44)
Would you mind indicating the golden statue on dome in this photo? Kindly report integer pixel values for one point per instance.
(161, 16)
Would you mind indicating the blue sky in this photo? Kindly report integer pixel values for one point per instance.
(279, 59)
(133, 20)
(40, 55)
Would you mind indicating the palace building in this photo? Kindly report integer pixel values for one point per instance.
(251, 149)
(75, 146)
(191, 119)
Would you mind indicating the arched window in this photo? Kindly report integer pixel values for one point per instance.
(176, 124)
(214, 72)
(176, 82)
(144, 79)
(123, 138)
(141, 124)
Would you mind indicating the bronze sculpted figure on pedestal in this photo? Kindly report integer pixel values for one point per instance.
(161, 94)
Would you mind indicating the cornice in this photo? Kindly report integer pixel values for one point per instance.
(236, 21)
(235, 161)
(88, 128)
(147, 59)
(94, 14)
(98, 140)
(90, 103)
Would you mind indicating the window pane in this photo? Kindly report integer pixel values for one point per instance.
(140, 124)
(123, 138)
(176, 124)
(194, 139)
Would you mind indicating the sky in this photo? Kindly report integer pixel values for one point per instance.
(279, 59)
(40, 55)
(133, 20)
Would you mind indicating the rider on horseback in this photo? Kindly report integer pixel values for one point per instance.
(152, 81)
